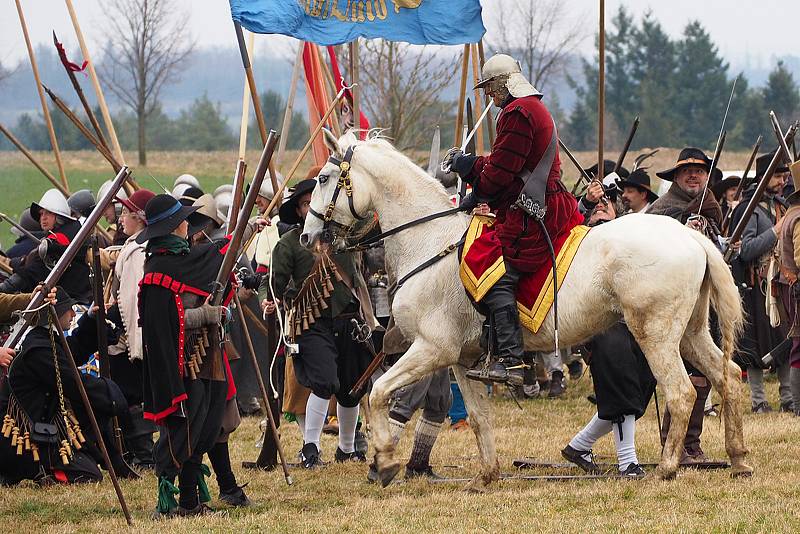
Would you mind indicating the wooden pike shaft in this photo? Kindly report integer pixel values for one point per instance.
(76, 375)
(45, 110)
(251, 82)
(79, 90)
(301, 155)
(238, 186)
(101, 99)
(462, 95)
(287, 114)
(245, 106)
(27, 153)
(479, 102)
(262, 388)
(601, 89)
(486, 98)
(326, 72)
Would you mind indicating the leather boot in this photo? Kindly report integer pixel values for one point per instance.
(508, 368)
(693, 451)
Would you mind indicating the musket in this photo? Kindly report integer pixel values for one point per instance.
(631, 134)
(229, 260)
(102, 330)
(70, 68)
(76, 375)
(718, 148)
(782, 145)
(19, 227)
(758, 194)
(238, 187)
(581, 171)
(66, 259)
(742, 183)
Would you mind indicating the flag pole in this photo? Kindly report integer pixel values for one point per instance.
(356, 91)
(45, 110)
(486, 99)
(601, 90)
(101, 99)
(462, 95)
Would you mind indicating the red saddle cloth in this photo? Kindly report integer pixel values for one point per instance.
(482, 266)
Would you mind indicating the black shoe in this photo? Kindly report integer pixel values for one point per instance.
(633, 471)
(236, 497)
(762, 407)
(426, 472)
(355, 456)
(200, 509)
(505, 371)
(557, 386)
(309, 456)
(787, 407)
(582, 459)
(158, 515)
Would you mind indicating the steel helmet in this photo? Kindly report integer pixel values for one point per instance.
(81, 203)
(106, 186)
(180, 189)
(187, 179)
(503, 71)
(54, 202)
(266, 186)
(224, 200)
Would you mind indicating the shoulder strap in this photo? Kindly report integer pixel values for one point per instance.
(532, 197)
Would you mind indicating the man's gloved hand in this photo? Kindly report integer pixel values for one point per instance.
(469, 202)
(456, 161)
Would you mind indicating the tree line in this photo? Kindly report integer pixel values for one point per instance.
(200, 126)
(678, 87)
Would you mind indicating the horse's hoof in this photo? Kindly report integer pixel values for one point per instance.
(476, 485)
(666, 473)
(388, 473)
(741, 470)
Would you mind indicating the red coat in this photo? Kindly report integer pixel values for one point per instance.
(524, 130)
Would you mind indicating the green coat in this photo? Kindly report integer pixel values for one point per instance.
(291, 265)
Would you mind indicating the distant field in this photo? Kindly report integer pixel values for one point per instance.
(21, 183)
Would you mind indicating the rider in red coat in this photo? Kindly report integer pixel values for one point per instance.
(520, 181)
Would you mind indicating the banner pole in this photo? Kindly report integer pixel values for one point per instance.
(479, 101)
(462, 95)
(287, 114)
(356, 91)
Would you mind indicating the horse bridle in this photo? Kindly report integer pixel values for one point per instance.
(344, 182)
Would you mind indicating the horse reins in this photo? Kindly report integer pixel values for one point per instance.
(344, 182)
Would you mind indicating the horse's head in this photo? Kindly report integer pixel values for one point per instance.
(343, 194)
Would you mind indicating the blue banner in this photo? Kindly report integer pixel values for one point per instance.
(332, 22)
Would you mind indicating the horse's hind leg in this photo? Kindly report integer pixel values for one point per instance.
(421, 359)
(477, 403)
(699, 349)
(659, 339)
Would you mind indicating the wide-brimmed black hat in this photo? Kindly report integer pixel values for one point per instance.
(641, 181)
(608, 168)
(763, 161)
(720, 187)
(190, 195)
(164, 213)
(688, 156)
(288, 210)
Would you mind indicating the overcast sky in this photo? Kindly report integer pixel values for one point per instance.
(758, 30)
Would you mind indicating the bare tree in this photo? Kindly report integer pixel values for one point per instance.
(400, 86)
(541, 34)
(6, 72)
(147, 44)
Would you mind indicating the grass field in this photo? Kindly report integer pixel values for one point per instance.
(21, 183)
(338, 498)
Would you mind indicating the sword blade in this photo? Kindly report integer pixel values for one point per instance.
(433, 159)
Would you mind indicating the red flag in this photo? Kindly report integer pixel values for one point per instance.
(347, 108)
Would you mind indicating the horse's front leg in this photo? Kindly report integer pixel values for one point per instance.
(421, 359)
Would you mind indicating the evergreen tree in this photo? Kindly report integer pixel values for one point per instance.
(203, 127)
(781, 94)
(701, 88)
(273, 107)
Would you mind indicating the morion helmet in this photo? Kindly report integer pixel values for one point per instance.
(503, 73)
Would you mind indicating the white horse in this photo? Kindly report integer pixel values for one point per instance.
(650, 270)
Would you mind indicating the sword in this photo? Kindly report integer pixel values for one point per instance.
(433, 159)
(363, 335)
(466, 147)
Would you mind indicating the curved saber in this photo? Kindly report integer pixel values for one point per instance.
(475, 128)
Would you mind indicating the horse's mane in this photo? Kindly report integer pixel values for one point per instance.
(393, 169)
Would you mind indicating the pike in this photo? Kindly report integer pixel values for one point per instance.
(71, 68)
(574, 160)
(741, 187)
(27, 153)
(759, 193)
(19, 227)
(433, 159)
(66, 259)
(631, 134)
(782, 145)
(720, 143)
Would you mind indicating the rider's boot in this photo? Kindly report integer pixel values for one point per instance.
(502, 303)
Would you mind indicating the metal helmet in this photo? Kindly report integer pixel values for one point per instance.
(504, 73)
(106, 186)
(208, 206)
(266, 186)
(81, 203)
(187, 179)
(225, 188)
(54, 202)
(27, 221)
(180, 189)
(224, 201)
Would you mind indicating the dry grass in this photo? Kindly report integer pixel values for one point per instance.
(338, 498)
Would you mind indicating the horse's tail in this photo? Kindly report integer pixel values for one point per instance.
(724, 297)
